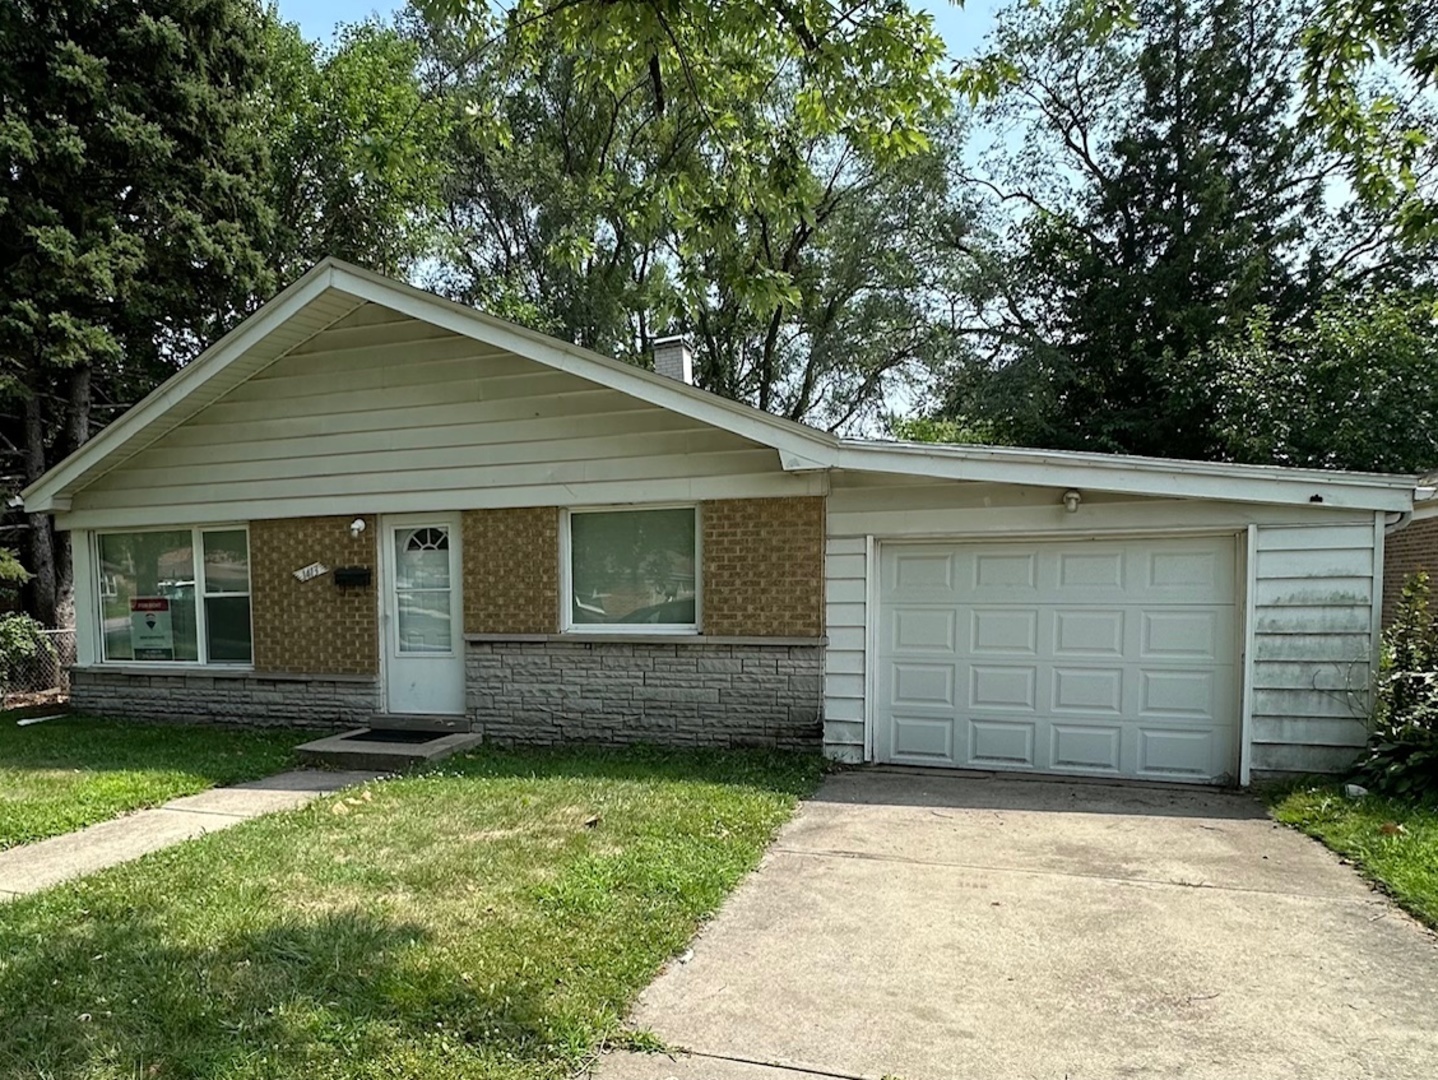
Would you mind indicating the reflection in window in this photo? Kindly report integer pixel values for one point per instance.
(633, 568)
(422, 591)
(151, 585)
(151, 614)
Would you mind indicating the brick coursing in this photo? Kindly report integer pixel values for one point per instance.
(685, 694)
(511, 570)
(249, 699)
(1404, 553)
(313, 627)
(763, 567)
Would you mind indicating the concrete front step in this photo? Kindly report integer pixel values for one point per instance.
(384, 749)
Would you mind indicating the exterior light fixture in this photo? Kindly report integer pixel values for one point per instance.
(1072, 499)
(356, 527)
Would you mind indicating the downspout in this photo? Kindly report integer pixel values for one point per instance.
(1396, 521)
(1400, 520)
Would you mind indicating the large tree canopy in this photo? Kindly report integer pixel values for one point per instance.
(133, 221)
(1162, 194)
(589, 211)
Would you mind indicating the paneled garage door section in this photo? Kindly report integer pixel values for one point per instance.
(1097, 658)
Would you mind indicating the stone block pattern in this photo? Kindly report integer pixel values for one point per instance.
(251, 699)
(1404, 553)
(313, 627)
(511, 571)
(763, 567)
(685, 694)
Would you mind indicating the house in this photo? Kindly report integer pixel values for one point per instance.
(1413, 547)
(367, 502)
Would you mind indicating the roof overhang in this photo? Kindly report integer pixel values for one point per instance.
(333, 289)
(1156, 477)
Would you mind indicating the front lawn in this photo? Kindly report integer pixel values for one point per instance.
(73, 771)
(1394, 843)
(492, 920)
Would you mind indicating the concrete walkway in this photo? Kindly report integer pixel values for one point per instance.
(926, 927)
(32, 867)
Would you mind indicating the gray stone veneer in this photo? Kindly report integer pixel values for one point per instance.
(685, 693)
(226, 698)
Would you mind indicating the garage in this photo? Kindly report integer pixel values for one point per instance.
(1104, 657)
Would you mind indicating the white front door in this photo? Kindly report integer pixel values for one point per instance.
(1104, 658)
(423, 641)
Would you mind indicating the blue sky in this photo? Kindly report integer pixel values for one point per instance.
(963, 28)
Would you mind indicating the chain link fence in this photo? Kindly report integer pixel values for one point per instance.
(42, 675)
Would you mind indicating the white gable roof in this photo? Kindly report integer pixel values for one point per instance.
(333, 289)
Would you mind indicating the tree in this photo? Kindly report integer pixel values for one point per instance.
(356, 149)
(1368, 80)
(1351, 389)
(870, 70)
(133, 221)
(585, 211)
(1166, 193)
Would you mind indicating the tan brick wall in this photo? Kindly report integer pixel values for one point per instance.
(763, 567)
(1406, 551)
(511, 571)
(313, 627)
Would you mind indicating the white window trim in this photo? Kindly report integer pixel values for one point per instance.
(202, 638)
(567, 624)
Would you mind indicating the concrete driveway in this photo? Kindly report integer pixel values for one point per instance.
(919, 926)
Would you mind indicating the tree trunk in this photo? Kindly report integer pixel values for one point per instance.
(44, 585)
(77, 428)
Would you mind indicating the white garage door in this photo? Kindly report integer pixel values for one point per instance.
(1097, 658)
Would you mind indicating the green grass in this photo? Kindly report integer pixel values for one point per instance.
(493, 920)
(1394, 843)
(70, 772)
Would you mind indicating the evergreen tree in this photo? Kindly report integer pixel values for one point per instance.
(132, 213)
(1169, 193)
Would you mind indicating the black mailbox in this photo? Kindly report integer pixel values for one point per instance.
(351, 577)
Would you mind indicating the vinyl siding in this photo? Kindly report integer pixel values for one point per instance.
(1314, 618)
(381, 412)
(845, 597)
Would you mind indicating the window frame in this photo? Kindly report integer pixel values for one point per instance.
(567, 625)
(202, 627)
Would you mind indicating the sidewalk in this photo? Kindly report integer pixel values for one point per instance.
(32, 867)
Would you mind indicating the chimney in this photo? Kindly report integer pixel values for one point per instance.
(672, 358)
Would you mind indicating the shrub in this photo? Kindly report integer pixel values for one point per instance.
(22, 643)
(1401, 757)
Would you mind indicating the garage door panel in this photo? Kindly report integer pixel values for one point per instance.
(1100, 658)
(1086, 747)
(923, 684)
(1080, 575)
(920, 571)
(1005, 631)
(1178, 753)
(1185, 573)
(1185, 694)
(1003, 687)
(1087, 690)
(1003, 577)
(1084, 632)
(1183, 634)
(1002, 744)
(923, 740)
(924, 630)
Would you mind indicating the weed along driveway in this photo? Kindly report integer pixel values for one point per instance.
(927, 927)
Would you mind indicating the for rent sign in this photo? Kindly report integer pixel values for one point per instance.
(152, 635)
